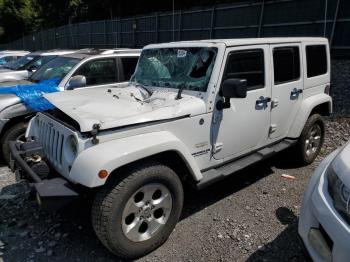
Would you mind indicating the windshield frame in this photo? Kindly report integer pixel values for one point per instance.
(177, 84)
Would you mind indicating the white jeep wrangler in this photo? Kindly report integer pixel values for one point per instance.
(193, 112)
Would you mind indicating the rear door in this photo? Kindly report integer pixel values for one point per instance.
(287, 87)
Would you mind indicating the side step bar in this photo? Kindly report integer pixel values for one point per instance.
(212, 175)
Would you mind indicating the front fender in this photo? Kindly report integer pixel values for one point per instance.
(305, 110)
(117, 153)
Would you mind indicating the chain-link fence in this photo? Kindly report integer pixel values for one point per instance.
(330, 18)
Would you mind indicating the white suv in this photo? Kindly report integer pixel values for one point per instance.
(194, 112)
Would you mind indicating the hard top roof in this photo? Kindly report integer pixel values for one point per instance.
(244, 41)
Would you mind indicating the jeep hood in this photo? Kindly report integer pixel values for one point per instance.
(117, 107)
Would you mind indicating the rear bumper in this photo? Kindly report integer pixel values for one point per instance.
(51, 193)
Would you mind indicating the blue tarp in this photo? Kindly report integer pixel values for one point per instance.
(32, 95)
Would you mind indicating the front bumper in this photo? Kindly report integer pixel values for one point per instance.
(325, 233)
(52, 193)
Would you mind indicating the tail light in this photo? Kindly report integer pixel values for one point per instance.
(327, 89)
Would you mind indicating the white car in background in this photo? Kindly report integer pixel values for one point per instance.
(9, 56)
(23, 68)
(324, 223)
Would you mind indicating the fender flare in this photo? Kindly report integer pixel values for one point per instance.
(304, 112)
(120, 152)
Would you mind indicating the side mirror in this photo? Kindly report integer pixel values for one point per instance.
(76, 82)
(32, 68)
(232, 88)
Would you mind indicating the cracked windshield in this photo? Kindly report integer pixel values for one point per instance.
(187, 68)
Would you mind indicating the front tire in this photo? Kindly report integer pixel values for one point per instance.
(14, 133)
(311, 140)
(135, 214)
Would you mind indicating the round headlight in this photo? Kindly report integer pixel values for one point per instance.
(345, 193)
(73, 144)
(71, 148)
(339, 192)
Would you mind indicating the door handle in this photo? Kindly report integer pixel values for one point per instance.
(295, 93)
(262, 102)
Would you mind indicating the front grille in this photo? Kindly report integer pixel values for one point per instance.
(52, 141)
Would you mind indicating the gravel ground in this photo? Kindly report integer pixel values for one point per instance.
(340, 87)
(251, 216)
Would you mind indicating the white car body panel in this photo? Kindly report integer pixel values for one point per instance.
(285, 107)
(122, 151)
(232, 122)
(304, 111)
(120, 108)
(318, 209)
(132, 127)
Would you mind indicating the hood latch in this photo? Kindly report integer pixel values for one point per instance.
(94, 132)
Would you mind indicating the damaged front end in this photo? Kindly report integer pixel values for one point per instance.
(29, 163)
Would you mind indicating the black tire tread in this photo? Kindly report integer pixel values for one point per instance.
(299, 148)
(103, 202)
(16, 128)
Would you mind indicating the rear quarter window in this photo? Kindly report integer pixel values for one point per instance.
(316, 60)
(286, 63)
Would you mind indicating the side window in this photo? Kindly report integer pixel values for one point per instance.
(316, 60)
(99, 71)
(247, 64)
(129, 65)
(286, 64)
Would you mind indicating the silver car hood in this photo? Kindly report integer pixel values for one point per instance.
(16, 82)
(116, 107)
(4, 70)
(7, 100)
(12, 75)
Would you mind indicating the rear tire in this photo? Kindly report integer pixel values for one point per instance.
(135, 214)
(311, 140)
(15, 132)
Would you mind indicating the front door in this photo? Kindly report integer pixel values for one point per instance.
(245, 125)
(287, 87)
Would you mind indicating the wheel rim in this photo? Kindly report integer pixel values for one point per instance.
(313, 141)
(146, 212)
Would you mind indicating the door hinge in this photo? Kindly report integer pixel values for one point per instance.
(274, 103)
(273, 128)
(217, 147)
